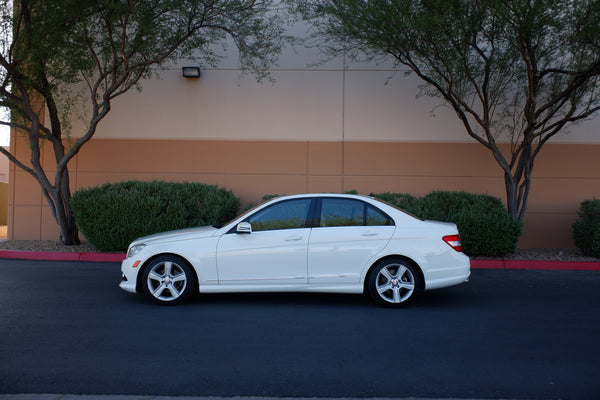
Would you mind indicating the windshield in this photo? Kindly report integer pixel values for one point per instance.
(242, 214)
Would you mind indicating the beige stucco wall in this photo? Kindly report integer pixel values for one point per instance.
(4, 167)
(358, 105)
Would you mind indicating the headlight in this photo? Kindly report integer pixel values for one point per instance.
(133, 250)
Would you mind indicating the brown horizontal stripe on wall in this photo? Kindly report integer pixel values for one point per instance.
(564, 174)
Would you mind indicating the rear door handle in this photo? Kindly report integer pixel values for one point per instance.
(293, 238)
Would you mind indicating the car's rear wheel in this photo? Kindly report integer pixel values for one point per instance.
(394, 282)
(168, 279)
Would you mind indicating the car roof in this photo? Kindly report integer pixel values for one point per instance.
(341, 195)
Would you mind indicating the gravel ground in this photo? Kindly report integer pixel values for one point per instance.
(521, 254)
(46, 245)
(549, 255)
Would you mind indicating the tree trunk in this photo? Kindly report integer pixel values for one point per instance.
(518, 185)
(68, 232)
(59, 200)
(60, 207)
(512, 198)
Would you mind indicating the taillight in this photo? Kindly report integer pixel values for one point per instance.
(453, 241)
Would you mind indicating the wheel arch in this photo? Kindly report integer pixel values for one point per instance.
(140, 275)
(395, 257)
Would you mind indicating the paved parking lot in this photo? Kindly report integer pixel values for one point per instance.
(65, 327)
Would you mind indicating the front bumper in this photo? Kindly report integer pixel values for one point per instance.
(128, 286)
(129, 276)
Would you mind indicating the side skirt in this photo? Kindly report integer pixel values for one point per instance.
(345, 288)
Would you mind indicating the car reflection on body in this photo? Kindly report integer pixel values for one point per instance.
(304, 243)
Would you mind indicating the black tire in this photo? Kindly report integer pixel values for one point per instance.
(394, 282)
(168, 279)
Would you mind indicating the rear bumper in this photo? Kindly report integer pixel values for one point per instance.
(448, 281)
(449, 275)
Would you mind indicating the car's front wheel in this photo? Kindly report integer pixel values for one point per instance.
(168, 279)
(393, 282)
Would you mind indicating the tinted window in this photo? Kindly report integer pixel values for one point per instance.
(376, 217)
(349, 212)
(285, 215)
(342, 212)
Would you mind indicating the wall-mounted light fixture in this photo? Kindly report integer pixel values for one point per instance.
(191, 72)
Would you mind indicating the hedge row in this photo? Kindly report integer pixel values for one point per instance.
(486, 228)
(586, 230)
(112, 215)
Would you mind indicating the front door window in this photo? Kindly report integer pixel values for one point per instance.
(290, 214)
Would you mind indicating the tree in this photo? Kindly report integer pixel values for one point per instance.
(514, 71)
(57, 54)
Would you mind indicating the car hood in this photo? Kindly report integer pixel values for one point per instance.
(181, 234)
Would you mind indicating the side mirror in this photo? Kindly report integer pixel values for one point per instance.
(244, 227)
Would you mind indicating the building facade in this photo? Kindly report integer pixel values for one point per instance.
(330, 128)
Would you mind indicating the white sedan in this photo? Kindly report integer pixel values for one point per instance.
(304, 243)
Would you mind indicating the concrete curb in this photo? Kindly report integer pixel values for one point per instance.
(60, 256)
(134, 397)
(475, 264)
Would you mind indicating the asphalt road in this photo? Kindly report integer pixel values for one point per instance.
(65, 327)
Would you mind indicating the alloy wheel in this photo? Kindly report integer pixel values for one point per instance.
(395, 283)
(166, 281)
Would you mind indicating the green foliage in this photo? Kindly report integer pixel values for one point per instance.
(77, 56)
(112, 215)
(485, 227)
(586, 230)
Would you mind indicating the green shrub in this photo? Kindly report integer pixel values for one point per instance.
(491, 234)
(586, 230)
(486, 228)
(112, 215)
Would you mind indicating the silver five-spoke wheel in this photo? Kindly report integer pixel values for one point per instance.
(168, 280)
(393, 282)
